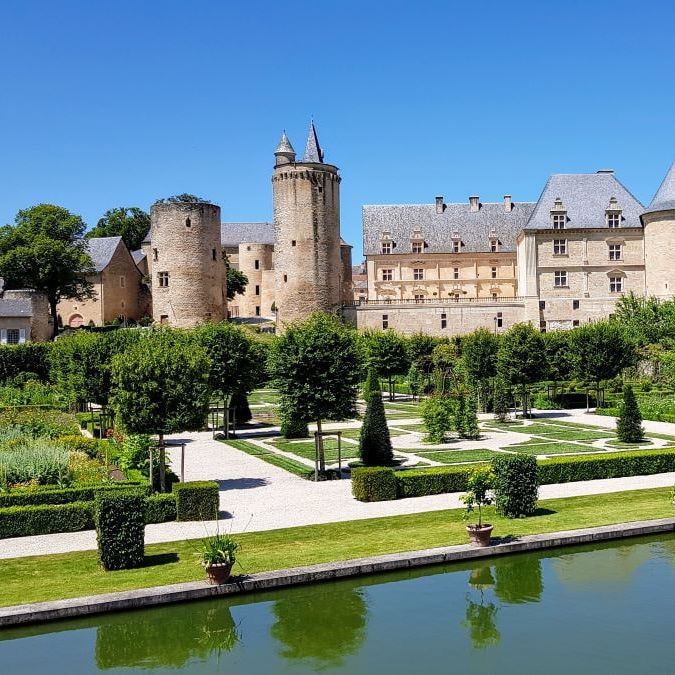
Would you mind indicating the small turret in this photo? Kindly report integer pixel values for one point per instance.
(285, 154)
(313, 151)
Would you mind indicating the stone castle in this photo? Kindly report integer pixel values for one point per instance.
(442, 268)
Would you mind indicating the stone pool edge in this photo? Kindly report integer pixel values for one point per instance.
(196, 590)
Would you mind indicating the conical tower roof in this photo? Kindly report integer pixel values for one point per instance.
(284, 146)
(664, 199)
(313, 151)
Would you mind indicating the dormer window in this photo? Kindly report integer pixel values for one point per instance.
(386, 247)
(417, 246)
(558, 215)
(613, 214)
(456, 245)
(494, 245)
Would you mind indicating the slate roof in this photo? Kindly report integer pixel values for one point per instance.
(585, 197)
(233, 234)
(101, 250)
(664, 199)
(313, 151)
(284, 145)
(15, 308)
(436, 229)
(137, 256)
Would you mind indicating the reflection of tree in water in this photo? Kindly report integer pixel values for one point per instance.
(322, 624)
(481, 621)
(167, 639)
(519, 580)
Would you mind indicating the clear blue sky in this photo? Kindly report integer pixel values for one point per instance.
(114, 103)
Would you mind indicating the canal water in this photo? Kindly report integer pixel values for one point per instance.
(602, 609)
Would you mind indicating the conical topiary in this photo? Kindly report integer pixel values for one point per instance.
(374, 442)
(500, 402)
(471, 429)
(239, 410)
(629, 423)
(371, 385)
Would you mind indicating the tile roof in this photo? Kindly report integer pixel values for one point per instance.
(664, 199)
(585, 197)
(436, 229)
(15, 308)
(101, 250)
(233, 234)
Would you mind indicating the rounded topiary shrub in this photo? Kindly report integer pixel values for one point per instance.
(516, 485)
(374, 484)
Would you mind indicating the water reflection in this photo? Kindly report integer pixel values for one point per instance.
(321, 624)
(134, 640)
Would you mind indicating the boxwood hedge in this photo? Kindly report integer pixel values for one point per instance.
(374, 484)
(120, 529)
(35, 497)
(197, 500)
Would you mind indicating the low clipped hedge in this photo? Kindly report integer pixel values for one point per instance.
(197, 500)
(160, 508)
(374, 484)
(120, 529)
(36, 497)
(440, 480)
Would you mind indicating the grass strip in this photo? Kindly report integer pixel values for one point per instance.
(454, 456)
(68, 575)
(290, 465)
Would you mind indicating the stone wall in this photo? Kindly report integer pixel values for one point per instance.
(254, 261)
(659, 264)
(187, 247)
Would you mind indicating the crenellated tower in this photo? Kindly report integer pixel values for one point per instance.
(306, 198)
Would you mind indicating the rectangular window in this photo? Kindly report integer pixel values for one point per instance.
(164, 319)
(387, 275)
(123, 281)
(542, 305)
(575, 304)
(419, 297)
(494, 296)
(615, 251)
(257, 290)
(256, 264)
(386, 247)
(455, 273)
(444, 320)
(213, 253)
(560, 247)
(13, 336)
(417, 247)
(499, 320)
(494, 246)
(293, 243)
(163, 279)
(559, 221)
(257, 310)
(560, 278)
(155, 255)
(613, 220)
(575, 323)
(493, 272)
(616, 284)
(456, 246)
(418, 274)
(385, 321)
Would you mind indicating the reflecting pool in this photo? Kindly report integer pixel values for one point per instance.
(603, 609)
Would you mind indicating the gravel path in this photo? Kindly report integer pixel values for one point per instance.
(258, 496)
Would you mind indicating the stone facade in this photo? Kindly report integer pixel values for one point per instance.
(256, 261)
(24, 316)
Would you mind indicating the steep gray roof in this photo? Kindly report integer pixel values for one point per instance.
(313, 151)
(101, 250)
(664, 199)
(585, 197)
(436, 229)
(284, 145)
(15, 308)
(233, 234)
(137, 256)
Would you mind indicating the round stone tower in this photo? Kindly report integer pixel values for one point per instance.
(659, 233)
(188, 271)
(306, 198)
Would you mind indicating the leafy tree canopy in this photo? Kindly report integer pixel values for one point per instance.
(236, 283)
(520, 358)
(479, 354)
(130, 223)
(183, 198)
(44, 250)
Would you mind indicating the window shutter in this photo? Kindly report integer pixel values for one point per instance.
(22, 335)
(3, 337)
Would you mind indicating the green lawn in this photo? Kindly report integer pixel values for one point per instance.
(268, 396)
(574, 435)
(630, 446)
(68, 575)
(532, 448)
(290, 465)
(307, 450)
(453, 456)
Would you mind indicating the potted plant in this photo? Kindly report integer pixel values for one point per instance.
(479, 494)
(218, 555)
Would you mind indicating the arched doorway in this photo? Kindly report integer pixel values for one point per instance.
(75, 321)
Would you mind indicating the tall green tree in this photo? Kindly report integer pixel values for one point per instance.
(44, 250)
(600, 351)
(629, 422)
(128, 222)
(315, 365)
(387, 353)
(161, 386)
(237, 360)
(520, 359)
(479, 356)
(448, 369)
(558, 356)
(415, 380)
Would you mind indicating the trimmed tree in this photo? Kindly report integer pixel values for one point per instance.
(374, 441)
(437, 412)
(471, 428)
(415, 380)
(516, 485)
(371, 385)
(161, 387)
(479, 356)
(629, 423)
(315, 366)
(44, 250)
(459, 417)
(500, 402)
(387, 353)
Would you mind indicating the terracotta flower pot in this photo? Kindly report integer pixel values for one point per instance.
(219, 573)
(480, 536)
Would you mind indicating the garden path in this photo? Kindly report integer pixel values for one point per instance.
(256, 495)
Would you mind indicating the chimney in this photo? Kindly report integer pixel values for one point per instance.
(605, 171)
(440, 206)
(508, 204)
(474, 203)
